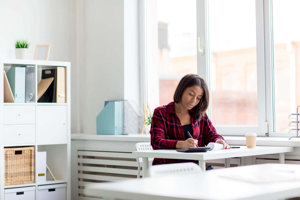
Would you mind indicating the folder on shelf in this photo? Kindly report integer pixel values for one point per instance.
(16, 79)
(49, 94)
(60, 84)
(8, 95)
(30, 85)
(43, 86)
(41, 166)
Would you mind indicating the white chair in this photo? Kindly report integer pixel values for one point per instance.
(142, 146)
(174, 168)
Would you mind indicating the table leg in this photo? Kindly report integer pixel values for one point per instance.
(281, 158)
(145, 164)
(227, 162)
(202, 165)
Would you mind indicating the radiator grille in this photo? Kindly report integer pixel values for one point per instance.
(103, 166)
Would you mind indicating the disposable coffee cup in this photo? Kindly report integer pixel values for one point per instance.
(251, 140)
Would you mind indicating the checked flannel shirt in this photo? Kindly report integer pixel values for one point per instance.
(166, 130)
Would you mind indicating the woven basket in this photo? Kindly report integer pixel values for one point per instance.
(19, 165)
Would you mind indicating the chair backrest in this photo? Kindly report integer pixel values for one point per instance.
(174, 168)
(143, 146)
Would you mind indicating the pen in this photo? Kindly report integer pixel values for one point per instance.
(189, 134)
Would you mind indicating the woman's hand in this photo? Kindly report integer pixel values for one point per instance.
(225, 145)
(190, 142)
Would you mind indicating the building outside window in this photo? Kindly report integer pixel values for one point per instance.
(248, 93)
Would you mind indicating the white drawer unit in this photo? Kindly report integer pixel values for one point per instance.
(19, 114)
(51, 192)
(24, 193)
(19, 135)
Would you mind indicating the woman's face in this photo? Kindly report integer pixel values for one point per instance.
(191, 97)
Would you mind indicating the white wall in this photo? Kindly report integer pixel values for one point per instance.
(93, 35)
(108, 68)
(40, 22)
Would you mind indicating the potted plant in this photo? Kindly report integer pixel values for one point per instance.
(147, 119)
(21, 49)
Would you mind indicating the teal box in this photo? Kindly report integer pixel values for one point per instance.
(110, 121)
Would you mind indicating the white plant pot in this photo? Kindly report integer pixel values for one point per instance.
(21, 53)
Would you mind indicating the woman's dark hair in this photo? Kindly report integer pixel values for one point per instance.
(190, 80)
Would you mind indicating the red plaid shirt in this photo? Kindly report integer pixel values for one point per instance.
(166, 130)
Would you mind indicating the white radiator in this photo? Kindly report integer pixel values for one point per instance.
(103, 166)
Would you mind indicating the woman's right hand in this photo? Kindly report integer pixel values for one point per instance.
(188, 143)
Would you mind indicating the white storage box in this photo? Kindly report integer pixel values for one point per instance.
(24, 193)
(52, 192)
(41, 159)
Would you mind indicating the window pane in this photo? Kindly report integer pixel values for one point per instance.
(286, 17)
(233, 73)
(176, 45)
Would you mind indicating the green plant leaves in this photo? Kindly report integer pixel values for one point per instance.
(148, 119)
(22, 44)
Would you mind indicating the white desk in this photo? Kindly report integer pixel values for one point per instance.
(214, 184)
(202, 157)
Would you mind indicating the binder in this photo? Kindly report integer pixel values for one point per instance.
(16, 79)
(50, 93)
(60, 84)
(30, 85)
(8, 95)
(43, 86)
(41, 166)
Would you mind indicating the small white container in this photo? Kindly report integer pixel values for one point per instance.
(24, 193)
(41, 166)
(21, 53)
(51, 192)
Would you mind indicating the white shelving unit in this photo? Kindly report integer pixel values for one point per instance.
(44, 126)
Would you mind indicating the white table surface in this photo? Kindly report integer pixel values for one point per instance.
(214, 184)
(211, 155)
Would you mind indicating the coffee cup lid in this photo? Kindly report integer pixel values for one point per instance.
(251, 134)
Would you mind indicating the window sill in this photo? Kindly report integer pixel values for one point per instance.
(265, 141)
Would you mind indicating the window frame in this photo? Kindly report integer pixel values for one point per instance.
(203, 66)
(265, 65)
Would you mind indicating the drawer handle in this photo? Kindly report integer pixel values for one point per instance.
(20, 193)
(18, 152)
(51, 190)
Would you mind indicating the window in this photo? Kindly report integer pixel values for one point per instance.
(233, 74)
(248, 52)
(172, 46)
(286, 61)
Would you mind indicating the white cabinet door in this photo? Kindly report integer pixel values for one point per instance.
(52, 125)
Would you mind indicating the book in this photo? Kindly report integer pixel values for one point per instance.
(210, 147)
(215, 146)
(16, 79)
(60, 85)
(43, 86)
(30, 84)
(8, 95)
(50, 94)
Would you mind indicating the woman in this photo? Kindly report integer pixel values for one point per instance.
(183, 123)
